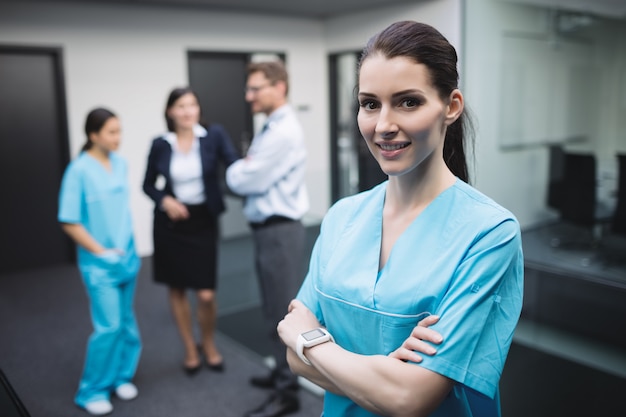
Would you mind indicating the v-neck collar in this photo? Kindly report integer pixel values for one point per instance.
(379, 227)
(109, 170)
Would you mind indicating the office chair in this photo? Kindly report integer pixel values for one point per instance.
(614, 243)
(572, 191)
(556, 175)
(618, 224)
(579, 189)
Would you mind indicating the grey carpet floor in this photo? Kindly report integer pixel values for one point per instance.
(44, 325)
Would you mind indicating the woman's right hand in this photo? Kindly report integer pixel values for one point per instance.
(110, 257)
(174, 209)
(415, 342)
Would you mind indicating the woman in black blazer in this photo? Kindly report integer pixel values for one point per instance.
(186, 214)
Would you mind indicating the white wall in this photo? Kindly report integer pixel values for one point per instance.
(351, 32)
(129, 57)
(517, 178)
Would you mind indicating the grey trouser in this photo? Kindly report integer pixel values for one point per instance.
(279, 252)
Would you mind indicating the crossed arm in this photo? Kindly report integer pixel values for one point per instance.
(385, 385)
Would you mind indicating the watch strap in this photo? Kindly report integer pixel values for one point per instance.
(300, 345)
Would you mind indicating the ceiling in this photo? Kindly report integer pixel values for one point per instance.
(321, 9)
(298, 8)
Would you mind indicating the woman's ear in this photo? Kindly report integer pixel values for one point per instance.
(455, 106)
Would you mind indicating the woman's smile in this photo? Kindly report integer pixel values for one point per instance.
(390, 150)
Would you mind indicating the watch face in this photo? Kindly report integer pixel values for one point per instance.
(313, 334)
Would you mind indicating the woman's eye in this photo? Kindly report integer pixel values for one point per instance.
(368, 105)
(410, 102)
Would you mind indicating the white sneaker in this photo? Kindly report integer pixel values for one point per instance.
(99, 407)
(126, 391)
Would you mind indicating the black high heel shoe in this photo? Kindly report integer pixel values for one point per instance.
(218, 367)
(192, 370)
(215, 367)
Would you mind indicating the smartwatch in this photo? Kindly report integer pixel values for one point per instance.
(311, 338)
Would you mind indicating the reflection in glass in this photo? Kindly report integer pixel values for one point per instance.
(347, 152)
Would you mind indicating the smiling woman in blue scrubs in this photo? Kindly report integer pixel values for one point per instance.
(94, 211)
(423, 247)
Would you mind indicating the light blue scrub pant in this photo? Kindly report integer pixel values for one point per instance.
(114, 346)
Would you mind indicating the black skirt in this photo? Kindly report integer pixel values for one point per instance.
(185, 251)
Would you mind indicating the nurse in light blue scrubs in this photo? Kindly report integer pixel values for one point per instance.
(424, 248)
(94, 211)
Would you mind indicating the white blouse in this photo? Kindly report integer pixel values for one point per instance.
(186, 169)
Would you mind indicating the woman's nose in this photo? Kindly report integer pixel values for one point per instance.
(386, 125)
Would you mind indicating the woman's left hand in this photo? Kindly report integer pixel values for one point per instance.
(298, 320)
(416, 341)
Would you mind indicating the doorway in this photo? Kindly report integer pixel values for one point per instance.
(353, 167)
(219, 79)
(34, 151)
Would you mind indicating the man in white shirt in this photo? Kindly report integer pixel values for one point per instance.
(271, 177)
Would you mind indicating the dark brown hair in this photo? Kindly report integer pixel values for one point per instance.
(175, 94)
(427, 46)
(274, 71)
(94, 122)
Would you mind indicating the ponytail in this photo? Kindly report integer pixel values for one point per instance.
(94, 122)
(458, 135)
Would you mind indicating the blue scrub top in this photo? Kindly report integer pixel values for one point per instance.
(461, 259)
(99, 200)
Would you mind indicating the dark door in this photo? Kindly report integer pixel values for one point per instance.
(33, 156)
(219, 80)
